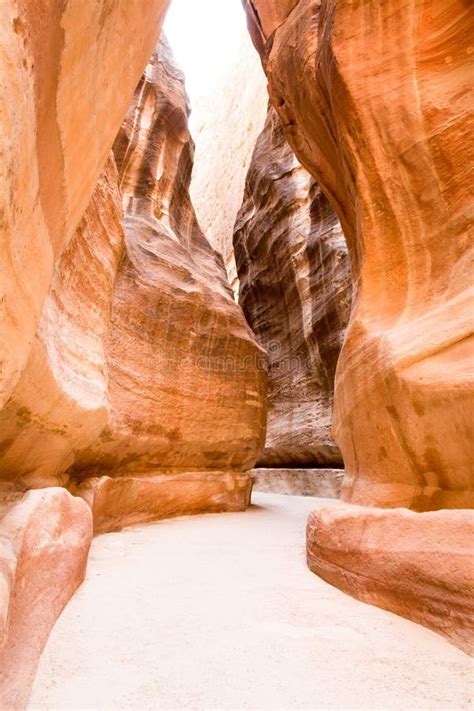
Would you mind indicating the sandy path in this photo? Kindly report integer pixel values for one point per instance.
(220, 612)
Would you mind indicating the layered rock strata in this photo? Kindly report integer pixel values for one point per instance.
(295, 291)
(375, 105)
(142, 361)
(62, 101)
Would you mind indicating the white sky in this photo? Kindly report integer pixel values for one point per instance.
(205, 36)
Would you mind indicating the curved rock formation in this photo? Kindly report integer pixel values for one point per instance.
(186, 377)
(374, 102)
(296, 295)
(62, 101)
(384, 130)
(44, 543)
(60, 404)
(130, 377)
(417, 564)
(142, 361)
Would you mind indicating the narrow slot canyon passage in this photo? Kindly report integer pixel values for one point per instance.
(236, 384)
(221, 612)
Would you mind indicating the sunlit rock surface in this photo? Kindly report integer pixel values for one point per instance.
(186, 379)
(62, 101)
(295, 291)
(135, 361)
(374, 101)
(142, 361)
(226, 125)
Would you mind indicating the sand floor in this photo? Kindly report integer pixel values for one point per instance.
(220, 612)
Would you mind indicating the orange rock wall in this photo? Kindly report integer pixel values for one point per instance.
(383, 125)
(142, 361)
(62, 101)
(375, 101)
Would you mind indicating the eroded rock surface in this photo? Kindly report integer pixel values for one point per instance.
(142, 361)
(383, 127)
(133, 360)
(418, 564)
(186, 377)
(44, 543)
(295, 291)
(62, 101)
(374, 101)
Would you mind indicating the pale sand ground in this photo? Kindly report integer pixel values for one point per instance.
(220, 612)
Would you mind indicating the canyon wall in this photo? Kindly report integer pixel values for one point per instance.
(133, 387)
(295, 291)
(226, 123)
(142, 362)
(62, 101)
(375, 105)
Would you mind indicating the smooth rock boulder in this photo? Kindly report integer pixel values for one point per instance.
(44, 543)
(417, 565)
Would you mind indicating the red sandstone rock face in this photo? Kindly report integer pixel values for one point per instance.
(60, 404)
(142, 361)
(186, 377)
(373, 100)
(125, 501)
(383, 126)
(44, 543)
(62, 100)
(295, 292)
(419, 565)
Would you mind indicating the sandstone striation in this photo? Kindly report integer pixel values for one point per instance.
(142, 361)
(186, 379)
(375, 105)
(62, 101)
(383, 128)
(296, 294)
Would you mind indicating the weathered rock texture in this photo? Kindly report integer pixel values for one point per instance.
(324, 483)
(126, 501)
(225, 124)
(123, 351)
(67, 74)
(374, 101)
(142, 361)
(295, 291)
(418, 564)
(186, 377)
(44, 542)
